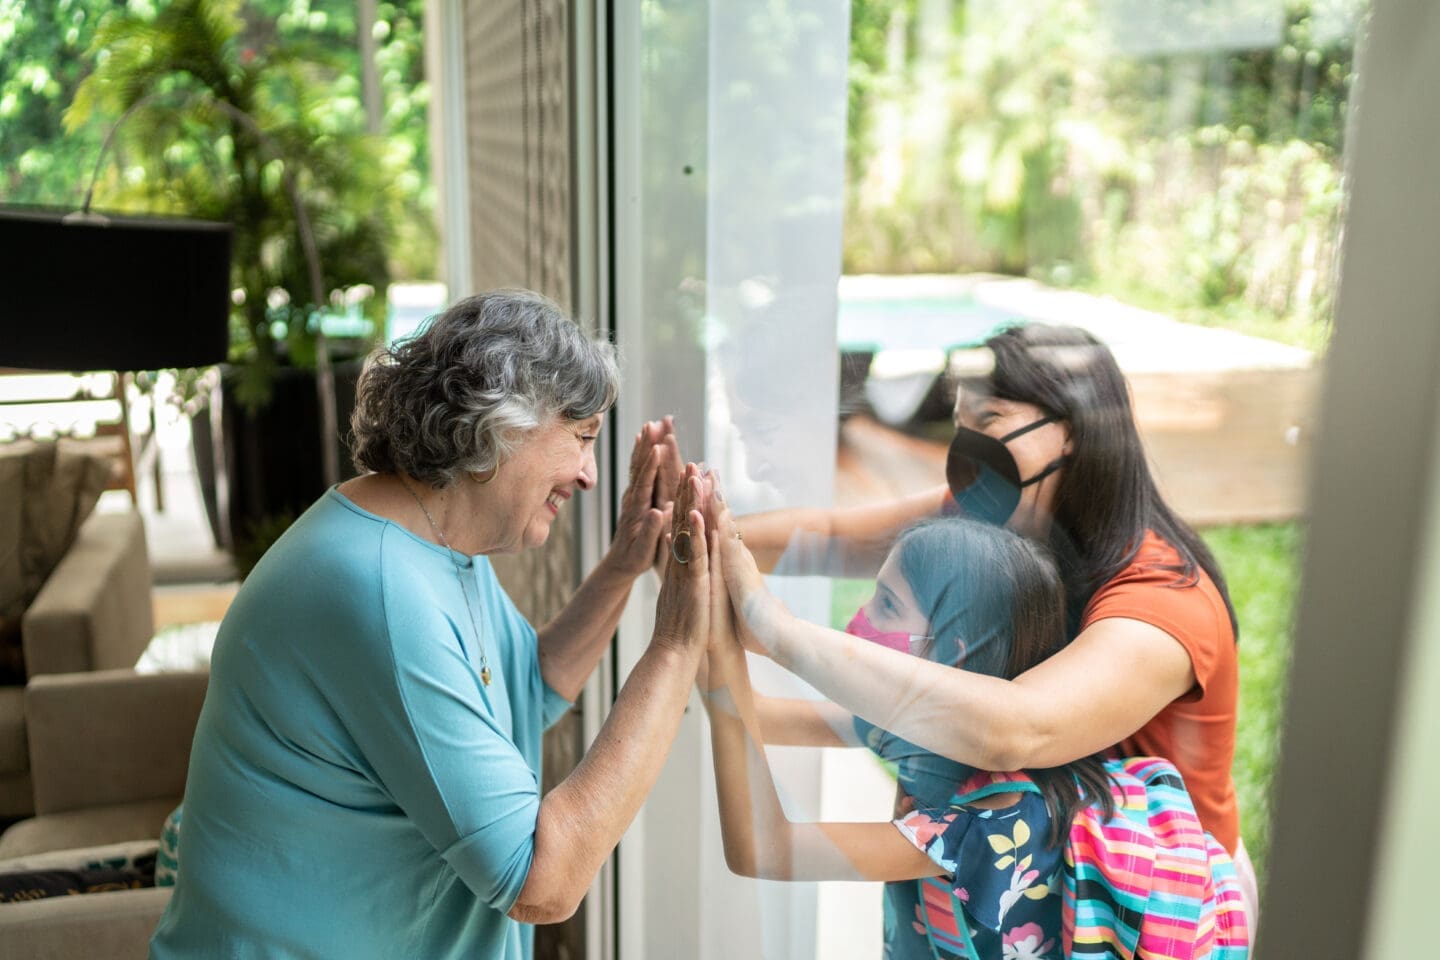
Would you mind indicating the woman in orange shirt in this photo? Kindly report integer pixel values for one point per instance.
(1046, 444)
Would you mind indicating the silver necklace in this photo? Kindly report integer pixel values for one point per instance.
(484, 660)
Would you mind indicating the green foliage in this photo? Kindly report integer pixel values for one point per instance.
(1021, 138)
(257, 538)
(294, 64)
(182, 151)
(847, 596)
(400, 62)
(1241, 229)
(42, 62)
(1262, 566)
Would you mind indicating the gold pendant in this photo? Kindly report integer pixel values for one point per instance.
(485, 676)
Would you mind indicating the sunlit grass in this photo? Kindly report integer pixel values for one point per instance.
(1262, 565)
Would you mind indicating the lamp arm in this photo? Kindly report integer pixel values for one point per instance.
(324, 372)
(105, 147)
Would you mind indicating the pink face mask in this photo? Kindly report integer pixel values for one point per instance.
(860, 626)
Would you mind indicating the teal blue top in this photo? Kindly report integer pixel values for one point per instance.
(354, 790)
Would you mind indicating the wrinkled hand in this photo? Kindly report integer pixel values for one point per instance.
(682, 613)
(669, 472)
(751, 601)
(640, 528)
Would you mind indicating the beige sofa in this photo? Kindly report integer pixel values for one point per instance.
(92, 613)
(109, 754)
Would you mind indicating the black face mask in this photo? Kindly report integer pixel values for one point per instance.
(983, 476)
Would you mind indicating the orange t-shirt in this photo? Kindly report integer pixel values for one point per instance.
(1197, 731)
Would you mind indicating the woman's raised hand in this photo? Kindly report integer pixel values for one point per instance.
(640, 528)
(670, 470)
(682, 614)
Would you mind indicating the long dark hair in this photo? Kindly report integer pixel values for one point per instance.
(996, 605)
(1107, 498)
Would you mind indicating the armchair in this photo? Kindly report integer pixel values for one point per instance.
(92, 613)
(109, 754)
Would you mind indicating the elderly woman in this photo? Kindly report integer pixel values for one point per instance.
(365, 775)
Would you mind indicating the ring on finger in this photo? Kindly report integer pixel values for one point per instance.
(675, 547)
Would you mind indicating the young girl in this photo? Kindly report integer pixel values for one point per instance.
(977, 867)
(1046, 443)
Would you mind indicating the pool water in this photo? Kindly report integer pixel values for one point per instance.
(872, 325)
(894, 352)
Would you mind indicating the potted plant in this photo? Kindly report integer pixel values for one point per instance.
(224, 118)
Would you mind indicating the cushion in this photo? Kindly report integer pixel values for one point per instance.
(86, 828)
(117, 866)
(113, 925)
(12, 502)
(113, 855)
(47, 489)
(167, 857)
(12, 578)
(14, 751)
(39, 884)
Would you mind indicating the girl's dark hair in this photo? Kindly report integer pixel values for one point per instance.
(1107, 498)
(996, 605)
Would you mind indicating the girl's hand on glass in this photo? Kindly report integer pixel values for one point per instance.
(723, 673)
(723, 641)
(751, 602)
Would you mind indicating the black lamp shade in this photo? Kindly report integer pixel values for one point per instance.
(111, 292)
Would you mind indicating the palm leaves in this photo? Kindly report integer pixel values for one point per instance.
(180, 151)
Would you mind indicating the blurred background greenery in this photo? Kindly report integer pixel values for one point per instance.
(982, 137)
(47, 49)
(1037, 138)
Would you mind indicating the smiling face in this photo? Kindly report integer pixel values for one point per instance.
(1033, 451)
(533, 483)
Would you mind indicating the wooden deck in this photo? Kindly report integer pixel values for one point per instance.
(191, 603)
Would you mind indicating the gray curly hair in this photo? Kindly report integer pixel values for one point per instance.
(461, 395)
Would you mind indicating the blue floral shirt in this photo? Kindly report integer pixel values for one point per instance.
(1001, 896)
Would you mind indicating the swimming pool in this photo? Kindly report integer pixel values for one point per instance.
(895, 348)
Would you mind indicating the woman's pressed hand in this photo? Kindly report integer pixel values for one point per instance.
(640, 528)
(682, 613)
(670, 470)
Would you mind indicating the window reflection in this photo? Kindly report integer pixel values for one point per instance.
(1167, 176)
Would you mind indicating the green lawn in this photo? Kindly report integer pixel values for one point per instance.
(1261, 564)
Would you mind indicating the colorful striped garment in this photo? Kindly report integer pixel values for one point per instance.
(1148, 884)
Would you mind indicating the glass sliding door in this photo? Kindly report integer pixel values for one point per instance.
(821, 211)
(729, 123)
